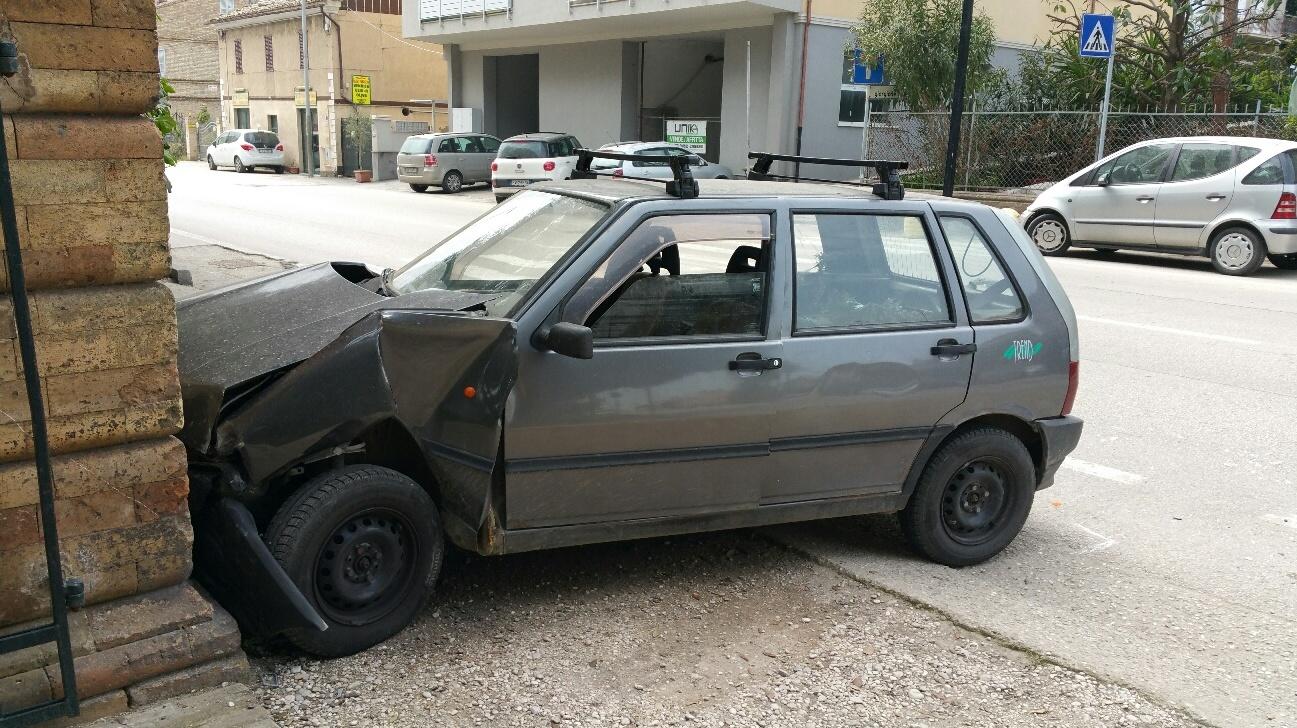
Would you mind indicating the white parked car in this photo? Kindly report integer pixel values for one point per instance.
(245, 150)
(528, 158)
(698, 167)
(1231, 199)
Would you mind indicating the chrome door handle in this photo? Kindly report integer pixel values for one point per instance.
(1215, 197)
(1144, 199)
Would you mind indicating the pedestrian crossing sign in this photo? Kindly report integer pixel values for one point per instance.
(1097, 35)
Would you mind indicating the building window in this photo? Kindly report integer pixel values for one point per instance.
(270, 53)
(162, 61)
(227, 6)
(301, 50)
(272, 123)
(851, 100)
(242, 118)
(238, 56)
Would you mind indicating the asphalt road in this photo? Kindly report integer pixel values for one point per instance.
(1164, 558)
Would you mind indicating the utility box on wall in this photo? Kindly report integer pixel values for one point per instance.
(466, 120)
(388, 135)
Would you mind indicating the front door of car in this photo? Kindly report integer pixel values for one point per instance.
(221, 149)
(1198, 189)
(1118, 203)
(879, 351)
(671, 416)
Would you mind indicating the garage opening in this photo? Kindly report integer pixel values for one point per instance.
(513, 94)
(682, 81)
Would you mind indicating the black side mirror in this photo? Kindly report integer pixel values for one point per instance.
(1103, 180)
(570, 339)
(696, 161)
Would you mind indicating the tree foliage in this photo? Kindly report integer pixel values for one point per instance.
(1168, 53)
(920, 41)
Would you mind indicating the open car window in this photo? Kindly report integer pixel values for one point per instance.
(505, 251)
(681, 276)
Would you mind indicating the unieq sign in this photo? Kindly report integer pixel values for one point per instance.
(687, 133)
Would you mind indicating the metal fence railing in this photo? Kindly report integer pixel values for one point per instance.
(1025, 151)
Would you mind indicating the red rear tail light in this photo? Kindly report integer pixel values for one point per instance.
(495, 167)
(279, 147)
(430, 160)
(617, 172)
(249, 147)
(549, 165)
(1073, 380)
(1287, 207)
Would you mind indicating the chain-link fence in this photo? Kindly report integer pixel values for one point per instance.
(1025, 151)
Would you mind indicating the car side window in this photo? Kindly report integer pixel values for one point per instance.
(1197, 161)
(561, 147)
(987, 288)
(1138, 166)
(490, 145)
(681, 276)
(447, 146)
(864, 271)
(662, 152)
(1270, 172)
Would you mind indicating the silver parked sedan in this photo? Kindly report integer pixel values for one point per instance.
(1232, 199)
(699, 167)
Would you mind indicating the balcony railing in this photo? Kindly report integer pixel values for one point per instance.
(444, 10)
(597, 3)
(1276, 26)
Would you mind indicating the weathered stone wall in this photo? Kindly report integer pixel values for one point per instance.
(92, 220)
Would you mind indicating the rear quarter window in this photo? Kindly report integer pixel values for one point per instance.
(988, 289)
(1272, 171)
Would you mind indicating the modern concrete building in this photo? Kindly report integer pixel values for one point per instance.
(609, 70)
(360, 66)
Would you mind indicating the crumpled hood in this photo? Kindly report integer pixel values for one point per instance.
(237, 334)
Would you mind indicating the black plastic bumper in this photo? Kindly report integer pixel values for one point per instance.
(1058, 437)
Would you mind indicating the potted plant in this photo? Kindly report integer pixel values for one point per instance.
(358, 129)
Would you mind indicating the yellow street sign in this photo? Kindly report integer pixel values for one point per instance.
(360, 90)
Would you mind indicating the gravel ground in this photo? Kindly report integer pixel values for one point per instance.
(713, 630)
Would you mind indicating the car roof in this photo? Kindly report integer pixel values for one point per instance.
(1264, 143)
(610, 190)
(543, 136)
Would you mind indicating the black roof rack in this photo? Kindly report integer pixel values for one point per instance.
(683, 185)
(889, 186)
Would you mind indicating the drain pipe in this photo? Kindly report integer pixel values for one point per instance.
(801, 93)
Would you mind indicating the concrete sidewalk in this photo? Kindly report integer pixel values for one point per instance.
(198, 268)
(229, 706)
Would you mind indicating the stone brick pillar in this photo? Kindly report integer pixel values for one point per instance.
(92, 218)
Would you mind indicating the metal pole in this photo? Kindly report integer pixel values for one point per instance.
(957, 100)
(968, 159)
(747, 103)
(307, 151)
(864, 133)
(1103, 110)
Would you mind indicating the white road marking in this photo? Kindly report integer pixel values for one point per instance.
(1177, 332)
(1105, 542)
(1289, 521)
(1101, 471)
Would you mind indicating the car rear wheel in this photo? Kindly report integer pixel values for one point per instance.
(365, 545)
(1048, 231)
(419, 188)
(1237, 251)
(972, 498)
(211, 163)
(452, 182)
(500, 198)
(1284, 262)
(238, 166)
(279, 169)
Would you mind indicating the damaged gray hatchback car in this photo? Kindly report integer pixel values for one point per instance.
(597, 360)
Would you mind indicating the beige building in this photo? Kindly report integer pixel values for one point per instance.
(187, 58)
(351, 43)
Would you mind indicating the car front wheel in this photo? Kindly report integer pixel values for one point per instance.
(1049, 232)
(211, 163)
(1237, 251)
(365, 545)
(972, 498)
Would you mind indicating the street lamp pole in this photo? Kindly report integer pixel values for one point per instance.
(957, 100)
(307, 151)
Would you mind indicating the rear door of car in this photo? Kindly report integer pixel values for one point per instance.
(1198, 190)
(879, 348)
(487, 147)
(564, 152)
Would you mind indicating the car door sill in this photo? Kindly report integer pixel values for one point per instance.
(533, 539)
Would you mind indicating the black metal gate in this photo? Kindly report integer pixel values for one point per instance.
(62, 595)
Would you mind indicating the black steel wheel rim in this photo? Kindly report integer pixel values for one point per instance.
(366, 566)
(976, 502)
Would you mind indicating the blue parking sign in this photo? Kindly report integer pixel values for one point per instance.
(1097, 35)
(865, 74)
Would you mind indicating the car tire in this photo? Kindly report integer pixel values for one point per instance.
(972, 498)
(419, 188)
(238, 166)
(211, 163)
(279, 169)
(1049, 232)
(1236, 251)
(500, 198)
(365, 545)
(452, 182)
(1284, 262)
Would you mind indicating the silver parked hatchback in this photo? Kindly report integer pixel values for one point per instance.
(1232, 199)
(448, 161)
